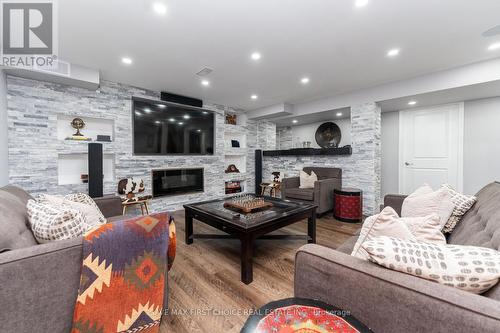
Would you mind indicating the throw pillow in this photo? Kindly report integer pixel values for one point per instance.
(426, 229)
(469, 268)
(307, 181)
(424, 202)
(51, 223)
(80, 202)
(462, 204)
(387, 223)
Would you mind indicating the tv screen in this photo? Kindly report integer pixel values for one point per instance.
(162, 128)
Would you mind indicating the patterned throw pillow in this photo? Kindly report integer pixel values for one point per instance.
(86, 199)
(462, 204)
(50, 223)
(470, 268)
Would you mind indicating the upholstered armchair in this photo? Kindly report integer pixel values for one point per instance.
(322, 193)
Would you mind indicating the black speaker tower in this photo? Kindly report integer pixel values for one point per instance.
(96, 174)
(258, 171)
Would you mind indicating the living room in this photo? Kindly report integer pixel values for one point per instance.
(174, 166)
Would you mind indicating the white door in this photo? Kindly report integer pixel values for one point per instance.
(431, 147)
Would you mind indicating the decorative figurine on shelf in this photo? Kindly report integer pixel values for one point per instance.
(78, 124)
(232, 169)
(231, 119)
(130, 187)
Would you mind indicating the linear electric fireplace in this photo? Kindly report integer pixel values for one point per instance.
(177, 181)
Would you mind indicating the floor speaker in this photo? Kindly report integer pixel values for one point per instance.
(96, 174)
(258, 170)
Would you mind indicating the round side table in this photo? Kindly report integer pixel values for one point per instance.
(348, 205)
(302, 315)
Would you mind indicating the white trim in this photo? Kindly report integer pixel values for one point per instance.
(461, 126)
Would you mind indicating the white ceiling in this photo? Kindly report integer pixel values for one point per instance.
(340, 47)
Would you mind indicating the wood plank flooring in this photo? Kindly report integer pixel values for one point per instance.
(206, 294)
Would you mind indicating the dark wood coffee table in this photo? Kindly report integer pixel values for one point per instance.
(249, 227)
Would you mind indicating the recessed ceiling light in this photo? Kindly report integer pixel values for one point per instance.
(295, 121)
(361, 3)
(181, 123)
(205, 112)
(339, 114)
(305, 80)
(256, 56)
(147, 110)
(160, 8)
(494, 46)
(198, 130)
(393, 52)
(254, 96)
(161, 106)
(157, 122)
(205, 83)
(127, 61)
(186, 116)
(137, 113)
(172, 120)
(412, 103)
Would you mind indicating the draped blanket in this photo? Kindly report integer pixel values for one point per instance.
(123, 276)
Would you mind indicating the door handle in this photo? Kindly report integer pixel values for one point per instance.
(408, 163)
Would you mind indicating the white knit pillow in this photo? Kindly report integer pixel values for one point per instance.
(307, 181)
(462, 204)
(79, 201)
(52, 223)
(470, 268)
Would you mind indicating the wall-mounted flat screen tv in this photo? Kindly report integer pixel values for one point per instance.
(162, 128)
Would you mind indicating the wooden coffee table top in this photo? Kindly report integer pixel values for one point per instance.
(279, 209)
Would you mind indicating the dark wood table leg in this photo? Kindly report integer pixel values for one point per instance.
(246, 260)
(188, 220)
(311, 228)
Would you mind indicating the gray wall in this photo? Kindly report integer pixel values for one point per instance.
(34, 149)
(481, 143)
(481, 146)
(4, 146)
(390, 153)
(301, 133)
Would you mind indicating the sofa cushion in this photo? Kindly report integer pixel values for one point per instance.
(14, 230)
(480, 226)
(300, 193)
(325, 173)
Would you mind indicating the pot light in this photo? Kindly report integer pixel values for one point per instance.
(127, 61)
(205, 112)
(161, 106)
(494, 46)
(393, 52)
(198, 130)
(411, 103)
(205, 83)
(160, 8)
(361, 3)
(305, 80)
(181, 123)
(295, 121)
(254, 97)
(256, 56)
(147, 110)
(157, 122)
(339, 114)
(186, 116)
(137, 113)
(172, 120)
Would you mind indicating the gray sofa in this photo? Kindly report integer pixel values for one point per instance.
(322, 193)
(392, 302)
(38, 282)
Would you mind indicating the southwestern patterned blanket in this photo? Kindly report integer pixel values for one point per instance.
(123, 276)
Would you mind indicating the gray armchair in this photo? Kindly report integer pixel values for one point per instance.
(322, 193)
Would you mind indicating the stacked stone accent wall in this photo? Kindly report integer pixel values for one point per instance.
(33, 108)
(360, 170)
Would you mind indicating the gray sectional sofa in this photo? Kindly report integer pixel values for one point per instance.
(392, 302)
(38, 282)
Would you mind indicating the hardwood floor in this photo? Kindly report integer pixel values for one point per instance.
(206, 294)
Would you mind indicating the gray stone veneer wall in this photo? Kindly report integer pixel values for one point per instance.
(361, 170)
(33, 109)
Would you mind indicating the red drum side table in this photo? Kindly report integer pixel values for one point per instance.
(348, 205)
